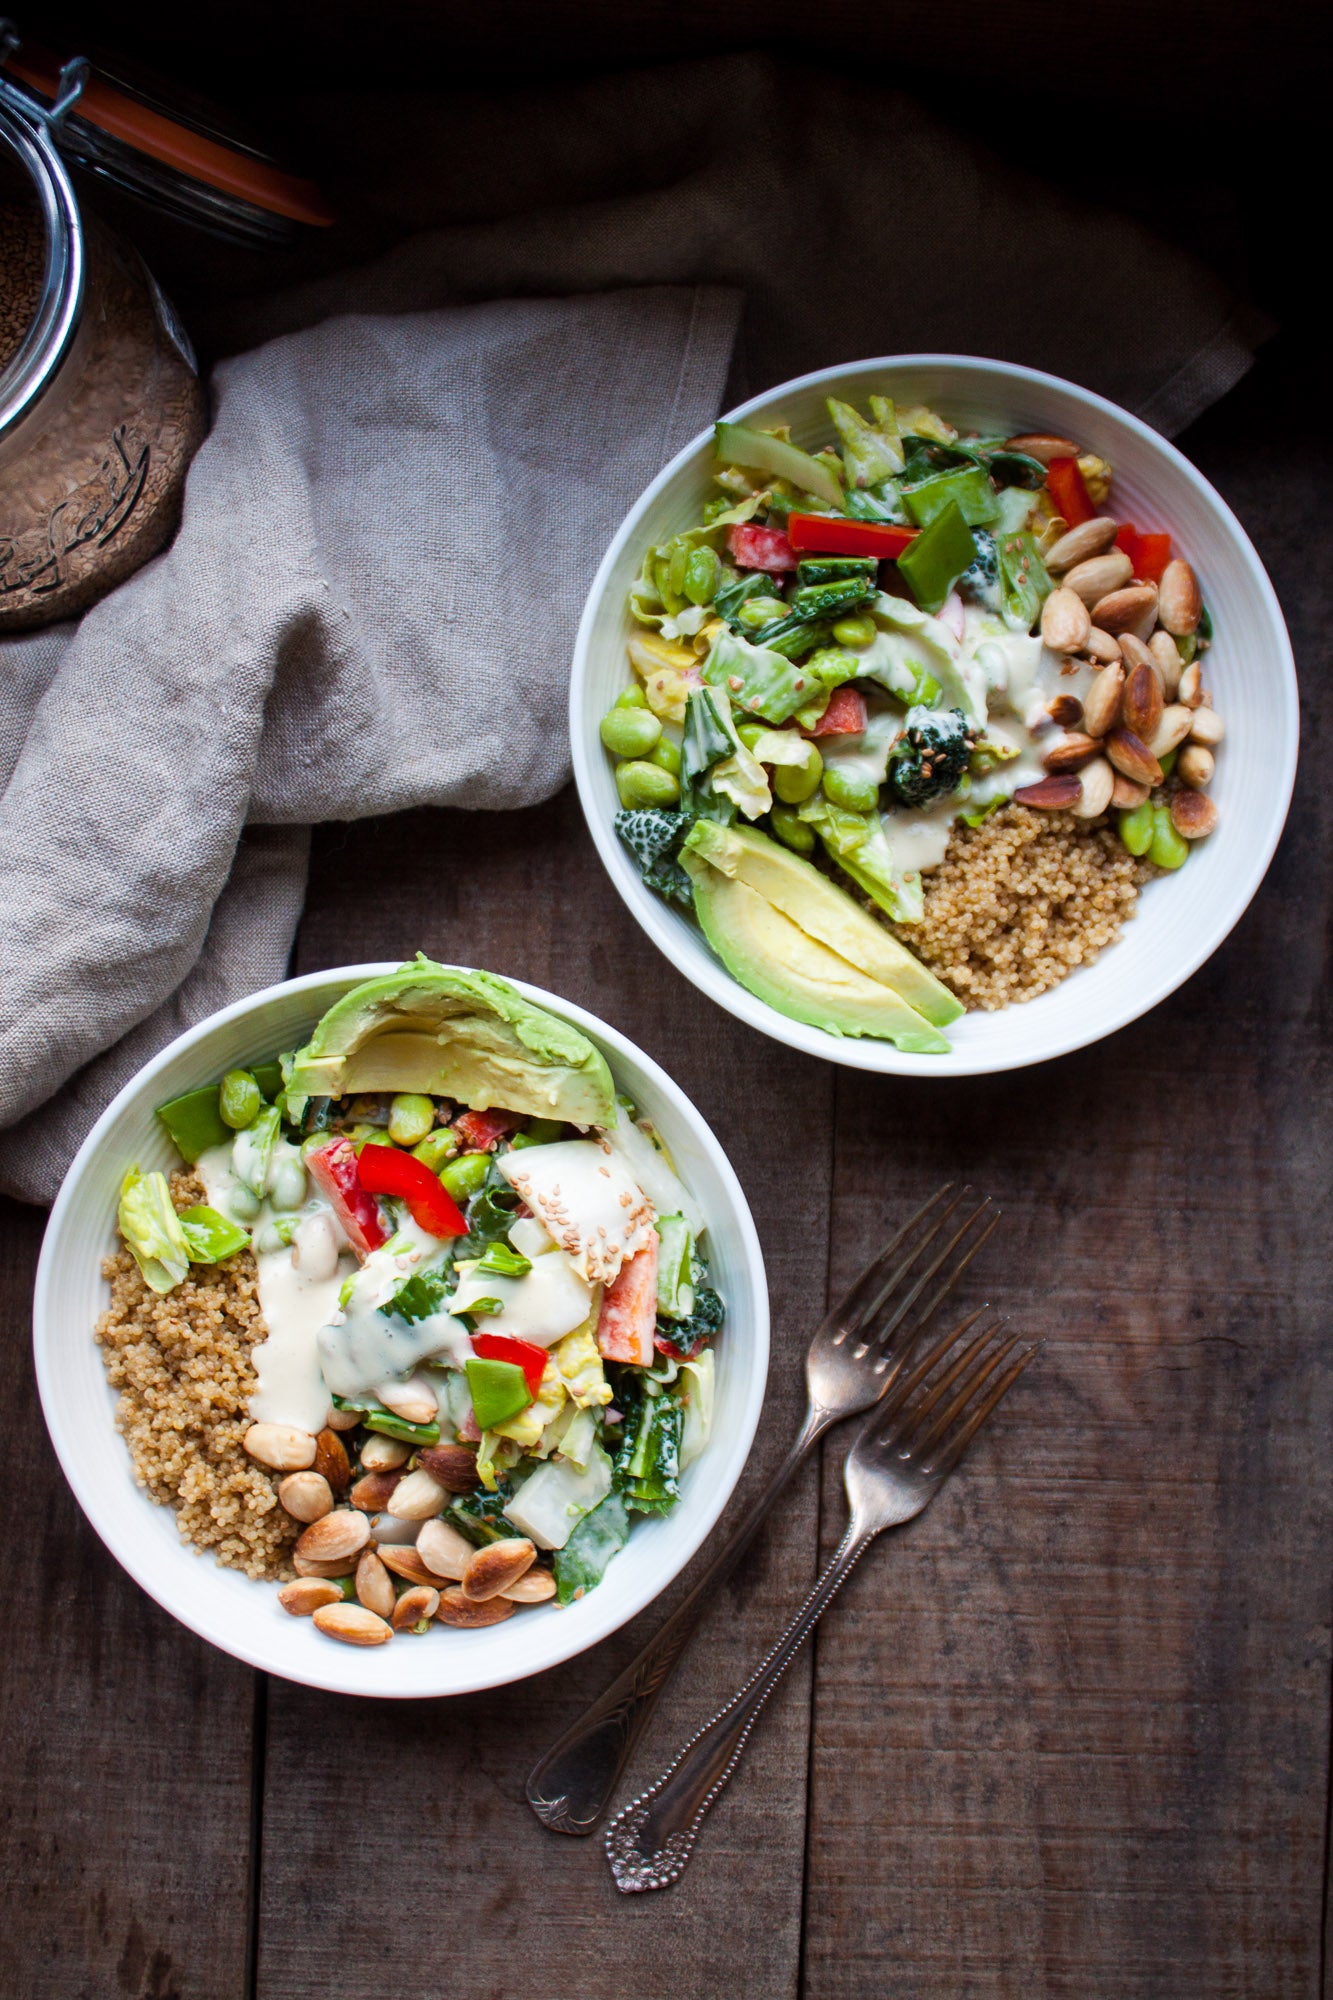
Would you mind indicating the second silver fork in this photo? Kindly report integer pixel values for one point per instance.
(854, 1359)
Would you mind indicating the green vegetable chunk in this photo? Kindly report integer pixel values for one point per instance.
(501, 1260)
(675, 1266)
(463, 1176)
(411, 1117)
(644, 785)
(932, 564)
(1136, 828)
(195, 1122)
(630, 732)
(239, 1100)
(499, 1391)
(152, 1229)
(871, 453)
(968, 488)
(736, 444)
(210, 1236)
(583, 1561)
(1168, 849)
(439, 1148)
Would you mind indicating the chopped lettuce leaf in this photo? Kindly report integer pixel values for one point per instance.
(763, 683)
(582, 1562)
(870, 452)
(526, 1428)
(554, 1499)
(152, 1229)
(697, 1397)
(859, 843)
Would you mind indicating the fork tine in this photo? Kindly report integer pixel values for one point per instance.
(962, 1362)
(852, 1309)
(898, 1395)
(950, 1457)
(896, 1319)
(968, 1373)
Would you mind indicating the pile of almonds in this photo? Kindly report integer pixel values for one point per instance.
(1144, 701)
(375, 1557)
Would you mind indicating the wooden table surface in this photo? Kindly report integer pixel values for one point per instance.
(1067, 1735)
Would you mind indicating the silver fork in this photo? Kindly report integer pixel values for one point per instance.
(852, 1362)
(893, 1472)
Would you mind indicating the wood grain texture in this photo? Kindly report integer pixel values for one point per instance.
(125, 1835)
(1072, 1727)
(523, 894)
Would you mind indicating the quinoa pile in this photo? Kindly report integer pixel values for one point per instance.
(1020, 901)
(182, 1365)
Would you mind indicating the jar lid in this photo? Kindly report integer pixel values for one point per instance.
(177, 154)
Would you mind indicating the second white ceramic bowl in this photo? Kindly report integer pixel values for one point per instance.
(1181, 919)
(245, 1618)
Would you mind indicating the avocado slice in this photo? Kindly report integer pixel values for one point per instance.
(773, 958)
(446, 1033)
(824, 912)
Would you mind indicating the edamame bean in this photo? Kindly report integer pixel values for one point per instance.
(702, 572)
(792, 831)
(239, 1099)
(1136, 828)
(463, 1176)
(640, 784)
(750, 732)
(666, 755)
(439, 1147)
(1168, 850)
(630, 732)
(410, 1118)
(795, 783)
(856, 794)
(242, 1205)
(757, 611)
(633, 697)
(286, 1180)
(858, 630)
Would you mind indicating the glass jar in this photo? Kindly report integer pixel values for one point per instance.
(101, 408)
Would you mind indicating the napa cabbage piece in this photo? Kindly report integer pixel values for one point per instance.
(580, 1365)
(860, 845)
(697, 1396)
(527, 1427)
(554, 1499)
(582, 1194)
(650, 1168)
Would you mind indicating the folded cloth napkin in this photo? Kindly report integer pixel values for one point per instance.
(390, 529)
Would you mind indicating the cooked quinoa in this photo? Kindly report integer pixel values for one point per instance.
(182, 1365)
(1022, 900)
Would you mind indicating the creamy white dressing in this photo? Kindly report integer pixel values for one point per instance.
(542, 1307)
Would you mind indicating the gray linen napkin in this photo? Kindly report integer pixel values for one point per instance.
(390, 529)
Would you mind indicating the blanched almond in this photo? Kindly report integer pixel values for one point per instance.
(1193, 815)
(1058, 794)
(421, 1601)
(1065, 623)
(1076, 545)
(1097, 780)
(536, 1586)
(417, 1497)
(383, 1454)
(405, 1562)
(342, 1533)
(306, 1496)
(444, 1551)
(342, 1420)
(1179, 605)
(1190, 691)
(415, 1402)
(305, 1596)
(1126, 795)
(1122, 610)
(495, 1567)
(1071, 753)
(1042, 446)
(453, 1466)
(1206, 727)
(332, 1462)
(1101, 706)
(1098, 577)
(1195, 766)
(455, 1609)
(1133, 758)
(1135, 654)
(374, 1490)
(1173, 728)
(1169, 663)
(374, 1585)
(310, 1566)
(1141, 705)
(1102, 647)
(353, 1624)
(279, 1446)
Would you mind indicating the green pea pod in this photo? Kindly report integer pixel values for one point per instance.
(253, 1150)
(194, 1121)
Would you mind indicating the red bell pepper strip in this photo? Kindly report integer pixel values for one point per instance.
(1064, 482)
(844, 716)
(1149, 554)
(753, 547)
(482, 1131)
(524, 1354)
(384, 1170)
(818, 534)
(333, 1169)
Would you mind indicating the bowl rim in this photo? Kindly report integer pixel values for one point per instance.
(707, 973)
(225, 1631)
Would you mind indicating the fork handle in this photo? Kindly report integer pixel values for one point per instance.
(650, 1842)
(571, 1786)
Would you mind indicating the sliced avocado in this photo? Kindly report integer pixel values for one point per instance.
(773, 958)
(466, 1035)
(825, 913)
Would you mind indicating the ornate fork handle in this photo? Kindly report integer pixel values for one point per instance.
(650, 1842)
(570, 1787)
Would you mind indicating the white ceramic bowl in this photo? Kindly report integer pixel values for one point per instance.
(245, 1618)
(1181, 919)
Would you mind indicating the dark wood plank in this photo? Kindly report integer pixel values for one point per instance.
(524, 894)
(125, 1850)
(1072, 1727)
